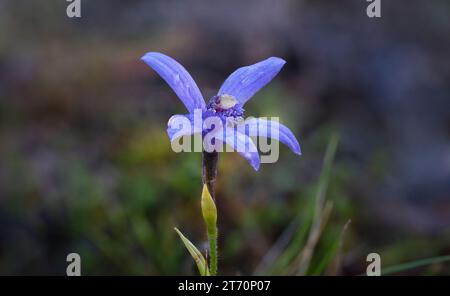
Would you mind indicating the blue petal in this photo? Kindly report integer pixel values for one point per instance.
(258, 127)
(242, 144)
(178, 79)
(181, 125)
(246, 81)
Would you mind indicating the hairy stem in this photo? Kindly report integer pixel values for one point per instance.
(212, 238)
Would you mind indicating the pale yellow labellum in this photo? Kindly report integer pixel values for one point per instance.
(227, 101)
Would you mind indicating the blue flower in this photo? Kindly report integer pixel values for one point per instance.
(227, 105)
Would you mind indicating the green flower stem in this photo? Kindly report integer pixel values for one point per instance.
(212, 238)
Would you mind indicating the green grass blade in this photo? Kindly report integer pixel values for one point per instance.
(414, 264)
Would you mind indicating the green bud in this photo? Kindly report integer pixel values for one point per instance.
(209, 210)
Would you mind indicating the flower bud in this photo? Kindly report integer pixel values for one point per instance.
(209, 210)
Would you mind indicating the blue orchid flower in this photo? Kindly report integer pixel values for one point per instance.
(228, 104)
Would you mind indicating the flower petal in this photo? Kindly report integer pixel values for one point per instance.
(242, 144)
(178, 79)
(259, 127)
(181, 125)
(246, 81)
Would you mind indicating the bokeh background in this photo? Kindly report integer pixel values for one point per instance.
(86, 166)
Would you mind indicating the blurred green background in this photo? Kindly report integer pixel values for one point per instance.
(86, 165)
